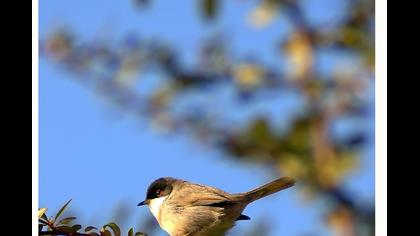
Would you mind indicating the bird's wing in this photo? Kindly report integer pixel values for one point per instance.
(199, 195)
(205, 211)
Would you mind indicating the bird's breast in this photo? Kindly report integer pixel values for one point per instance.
(155, 206)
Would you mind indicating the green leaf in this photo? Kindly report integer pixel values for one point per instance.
(105, 232)
(42, 221)
(131, 233)
(44, 216)
(76, 227)
(67, 220)
(61, 210)
(114, 227)
(89, 228)
(65, 229)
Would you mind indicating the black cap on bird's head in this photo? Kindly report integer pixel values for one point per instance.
(159, 188)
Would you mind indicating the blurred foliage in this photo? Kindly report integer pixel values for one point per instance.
(57, 226)
(209, 8)
(307, 150)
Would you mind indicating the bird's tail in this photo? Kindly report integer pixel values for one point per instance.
(268, 189)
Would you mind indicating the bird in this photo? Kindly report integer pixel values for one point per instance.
(183, 208)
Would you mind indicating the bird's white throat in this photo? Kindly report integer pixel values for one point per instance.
(155, 204)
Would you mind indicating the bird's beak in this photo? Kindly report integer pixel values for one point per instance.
(145, 202)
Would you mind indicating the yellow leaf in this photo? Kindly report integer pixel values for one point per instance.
(248, 75)
(41, 212)
(292, 165)
(300, 53)
(263, 14)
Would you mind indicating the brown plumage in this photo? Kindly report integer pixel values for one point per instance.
(187, 209)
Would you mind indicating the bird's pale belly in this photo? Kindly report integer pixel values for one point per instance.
(197, 221)
(216, 230)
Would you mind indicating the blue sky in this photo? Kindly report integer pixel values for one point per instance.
(99, 161)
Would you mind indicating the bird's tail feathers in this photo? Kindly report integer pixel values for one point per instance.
(268, 189)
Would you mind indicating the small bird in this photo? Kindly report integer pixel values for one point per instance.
(188, 209)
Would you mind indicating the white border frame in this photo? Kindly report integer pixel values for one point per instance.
(381, 121)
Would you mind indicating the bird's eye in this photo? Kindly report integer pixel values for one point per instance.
(159, 192)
